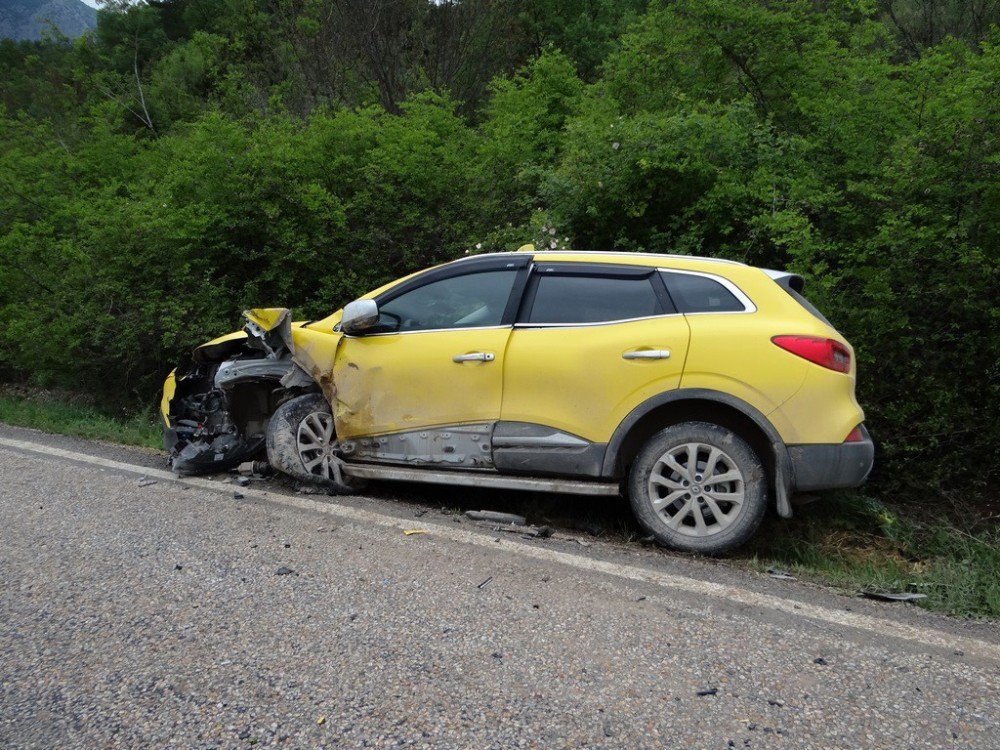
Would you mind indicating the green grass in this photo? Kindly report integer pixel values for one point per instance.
(854, 542)
(846, 539)
(68, 416)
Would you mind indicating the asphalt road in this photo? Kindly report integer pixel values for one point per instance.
(155, 616)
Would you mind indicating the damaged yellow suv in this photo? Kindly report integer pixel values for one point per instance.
(706, 389)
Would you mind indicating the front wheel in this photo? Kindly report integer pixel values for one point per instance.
(302, 442)
(698, 487)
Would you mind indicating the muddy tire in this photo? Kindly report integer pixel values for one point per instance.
(301, 442)
(698, 487)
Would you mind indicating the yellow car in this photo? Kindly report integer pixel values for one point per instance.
(706, 389)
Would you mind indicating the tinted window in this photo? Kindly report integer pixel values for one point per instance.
(476, 299)
(592, 299)
(694, 294)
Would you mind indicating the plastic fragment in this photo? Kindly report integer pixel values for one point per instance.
(781, 575)
(892, 596)
(411, 532)
(495, 517)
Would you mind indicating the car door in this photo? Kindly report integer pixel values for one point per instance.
(424, 385)
(592, 342)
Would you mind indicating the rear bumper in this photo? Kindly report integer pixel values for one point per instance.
(829, 467)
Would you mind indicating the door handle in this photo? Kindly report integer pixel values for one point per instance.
(647, 354)
(474, 357)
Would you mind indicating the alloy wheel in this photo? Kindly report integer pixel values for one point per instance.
(697, 489)
(317, 445)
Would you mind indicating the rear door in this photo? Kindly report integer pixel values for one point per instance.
(592, 342)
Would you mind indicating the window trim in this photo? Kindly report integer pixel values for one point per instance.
(599, 270)
(748, 305)
(520, 265)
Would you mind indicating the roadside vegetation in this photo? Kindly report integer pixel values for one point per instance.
(191, 158)
(66, 414)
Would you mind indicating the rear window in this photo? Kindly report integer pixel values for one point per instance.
(699, 294)
(592, 299)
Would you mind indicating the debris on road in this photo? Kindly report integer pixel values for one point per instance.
(238, 496)
(707, 691)
(284, 571)
(495, 517)
(146, 481)
(321, 720)
(537, 532)
(820, 660)
(242, 481)
(583, 542)
(781, 575)
(485, 583)
(892, 596)
(411, 532)
(255, 468)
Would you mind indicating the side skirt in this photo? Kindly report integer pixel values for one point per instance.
(481, 479)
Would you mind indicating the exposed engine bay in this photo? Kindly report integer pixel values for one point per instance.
(226, 392)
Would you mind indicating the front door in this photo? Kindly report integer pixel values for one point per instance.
(424, 385)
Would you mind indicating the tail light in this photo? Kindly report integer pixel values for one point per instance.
(855, 435)
(824, 352)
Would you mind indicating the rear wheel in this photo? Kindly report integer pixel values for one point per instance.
(698, 487)
(302, 442)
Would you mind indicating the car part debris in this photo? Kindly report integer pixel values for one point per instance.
(707, 691)
(536, 532)
(485, 583)
(781, 575)
(892, 596)
(255, 469)
(242, 481)
(495, 517)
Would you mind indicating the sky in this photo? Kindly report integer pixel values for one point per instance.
(91, 3)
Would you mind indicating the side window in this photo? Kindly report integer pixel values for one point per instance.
(592, 299)
(472, 300)
(698, 294)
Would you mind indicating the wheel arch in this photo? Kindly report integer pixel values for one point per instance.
(697, 404)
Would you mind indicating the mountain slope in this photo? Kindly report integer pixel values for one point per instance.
(26, 19)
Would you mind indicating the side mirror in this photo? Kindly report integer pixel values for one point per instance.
(359, 316)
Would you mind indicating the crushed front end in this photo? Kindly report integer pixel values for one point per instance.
(216, 405)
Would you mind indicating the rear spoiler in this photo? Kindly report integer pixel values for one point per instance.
(790, 281)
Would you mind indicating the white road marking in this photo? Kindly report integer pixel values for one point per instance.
(972, 647)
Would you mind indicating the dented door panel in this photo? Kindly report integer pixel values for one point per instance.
(400, 382)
